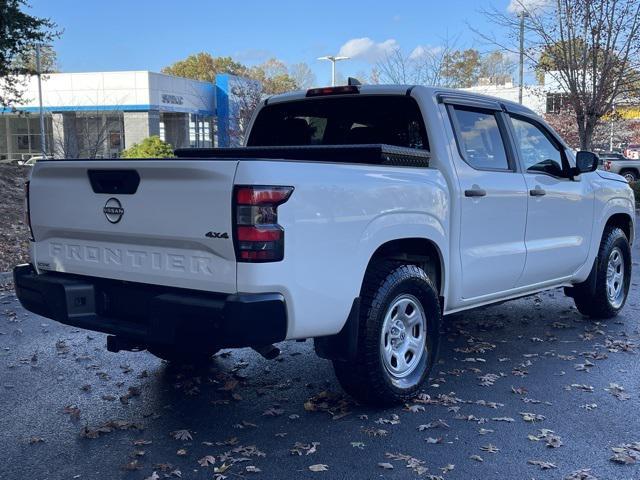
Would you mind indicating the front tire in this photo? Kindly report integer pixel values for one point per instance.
(397, 337)
(605, 295)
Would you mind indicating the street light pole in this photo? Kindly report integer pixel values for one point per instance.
(523, 14)
(43, 139)
(333, 59)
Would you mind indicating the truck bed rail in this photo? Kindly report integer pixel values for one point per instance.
(369, 154)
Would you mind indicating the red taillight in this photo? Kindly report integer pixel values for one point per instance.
(258, 237)
(262, 195)
(341, 90)
(27, 210)
(607, 165)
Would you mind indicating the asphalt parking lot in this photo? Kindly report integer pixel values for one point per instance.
(524, 390)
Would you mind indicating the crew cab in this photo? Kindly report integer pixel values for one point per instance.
(358, 216)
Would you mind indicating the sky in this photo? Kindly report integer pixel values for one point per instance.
(108, 35)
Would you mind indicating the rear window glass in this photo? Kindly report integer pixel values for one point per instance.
(357, 120)
(480, 139)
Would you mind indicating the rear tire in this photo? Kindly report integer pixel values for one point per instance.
(397, 336)
(182, 356)
(629, 175)
(612, 278)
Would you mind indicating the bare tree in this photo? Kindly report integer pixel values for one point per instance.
(422, 66)
(496, 68)
(302, 75)
(243, 101)
(444, 66)
(82, 135)
(591, 47)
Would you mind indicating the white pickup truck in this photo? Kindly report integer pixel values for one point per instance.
(355, 215)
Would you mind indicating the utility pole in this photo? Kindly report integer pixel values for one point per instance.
(333, 59)
(43, 139)
(613, 114)
(523, 14)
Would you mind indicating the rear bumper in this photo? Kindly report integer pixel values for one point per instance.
(153, 315)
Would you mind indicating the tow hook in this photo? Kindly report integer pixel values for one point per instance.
(116, 344)
(268, 351)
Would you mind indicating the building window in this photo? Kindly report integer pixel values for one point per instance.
(556, 102)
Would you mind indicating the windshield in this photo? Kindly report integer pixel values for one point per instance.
(354, 120)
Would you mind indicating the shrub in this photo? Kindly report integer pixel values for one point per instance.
(150, 147)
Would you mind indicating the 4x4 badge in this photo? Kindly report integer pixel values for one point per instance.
(217, 235)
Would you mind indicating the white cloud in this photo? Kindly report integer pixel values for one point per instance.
(422, 51)
(516, 6)
(368, 50)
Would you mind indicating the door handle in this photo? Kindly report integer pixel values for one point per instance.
(537, 192)
(475, 192)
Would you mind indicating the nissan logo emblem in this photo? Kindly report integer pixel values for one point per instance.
(113, 210)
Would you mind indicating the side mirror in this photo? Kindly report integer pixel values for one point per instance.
(586, 162)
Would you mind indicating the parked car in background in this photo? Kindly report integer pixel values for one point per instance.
(617, 163)
(355, 215)
(31, 162)
(632, 151)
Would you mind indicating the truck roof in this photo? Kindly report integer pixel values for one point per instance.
(402, 90)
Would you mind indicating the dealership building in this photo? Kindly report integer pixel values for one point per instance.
(99, 114)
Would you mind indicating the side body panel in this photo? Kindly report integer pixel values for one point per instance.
(559, 227)
(336, 218)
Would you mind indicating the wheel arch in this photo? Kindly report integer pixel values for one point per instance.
(622, 221)
(419, 251)
(635, 170)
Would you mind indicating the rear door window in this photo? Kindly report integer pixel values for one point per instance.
(479, 138)
(355, 120)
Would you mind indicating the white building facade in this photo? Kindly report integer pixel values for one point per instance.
(533, 96)
(99, 114)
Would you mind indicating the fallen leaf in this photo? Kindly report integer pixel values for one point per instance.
(542, 464)
(435, 424)
(182, 435)
(319, 467)
(626, 453)
(532, 417)
(489, 448)
(447, 468)
(207, 461)
(582, 474)
(433, 440)
(503, 419)
(132, 465)
(73, 411)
